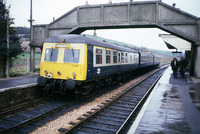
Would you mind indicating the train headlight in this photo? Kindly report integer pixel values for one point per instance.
(74, 75)
(59, 73)
(50, 75)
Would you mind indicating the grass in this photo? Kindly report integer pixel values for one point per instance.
(19, 64)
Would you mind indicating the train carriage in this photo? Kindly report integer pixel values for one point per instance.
(146, 59)
(78, 64)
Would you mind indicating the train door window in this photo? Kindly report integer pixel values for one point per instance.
(114, 56)
(98, 56)
(88, 57)
(108, 56)
(119, 57)
(51, 55)
(122, 57)
(134, 59)
(126, 57)
(71, 55)
(131, 58)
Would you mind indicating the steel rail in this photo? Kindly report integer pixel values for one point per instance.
(22, 106)
(35, 118)
(109, 102)
(138, 105)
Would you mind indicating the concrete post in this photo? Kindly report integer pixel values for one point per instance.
(32, 57)
(197, 63)
(197, 53)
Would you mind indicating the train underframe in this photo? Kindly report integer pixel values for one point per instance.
(57, 86)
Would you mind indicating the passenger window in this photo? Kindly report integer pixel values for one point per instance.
(71, 55)
(114, 56)
(51, 55)
(108, 56)
(98, 56)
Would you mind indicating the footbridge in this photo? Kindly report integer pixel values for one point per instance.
(150, 14)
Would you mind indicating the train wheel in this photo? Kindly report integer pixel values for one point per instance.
(49, 90)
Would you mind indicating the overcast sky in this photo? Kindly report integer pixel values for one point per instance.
(45, 10)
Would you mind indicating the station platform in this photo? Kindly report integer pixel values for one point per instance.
(173, 107)
(8, 83)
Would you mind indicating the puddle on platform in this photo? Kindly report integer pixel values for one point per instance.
(167, 117)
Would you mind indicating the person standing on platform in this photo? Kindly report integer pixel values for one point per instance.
(183, 65)
(175, 66)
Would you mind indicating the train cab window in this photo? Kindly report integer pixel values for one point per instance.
(98, 56)
(71, 55)
(114, 56)
(51, 55)
(108, 56)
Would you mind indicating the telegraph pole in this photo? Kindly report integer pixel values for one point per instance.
(8, 46)
(32, 54)
(31, 21)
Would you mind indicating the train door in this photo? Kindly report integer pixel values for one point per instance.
(89, 62)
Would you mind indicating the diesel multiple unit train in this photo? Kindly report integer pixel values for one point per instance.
(75, 63)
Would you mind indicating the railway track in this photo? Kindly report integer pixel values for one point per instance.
(21, 107)
(11, 119)
(114, 115)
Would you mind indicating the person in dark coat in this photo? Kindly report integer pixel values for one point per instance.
(183, 65)
(175, 66)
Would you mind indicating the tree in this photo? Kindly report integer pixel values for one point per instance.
(14, 40)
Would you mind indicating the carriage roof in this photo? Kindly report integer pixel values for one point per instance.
(73, 38)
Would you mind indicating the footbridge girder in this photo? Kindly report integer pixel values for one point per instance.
(122, 15)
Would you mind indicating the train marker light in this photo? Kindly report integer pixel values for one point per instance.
(45, 71)
(59, 73)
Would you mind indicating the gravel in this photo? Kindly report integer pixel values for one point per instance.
(64, 120)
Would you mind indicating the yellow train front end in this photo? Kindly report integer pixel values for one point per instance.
(62, 65)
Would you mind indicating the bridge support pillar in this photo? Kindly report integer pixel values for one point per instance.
(195, 62)
(32, 59)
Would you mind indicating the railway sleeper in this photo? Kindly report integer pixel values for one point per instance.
(87, 130)
(124, 106)
(108, 123)
(110, 118)
(120, 108)
(101, 125)
(116, 112)
(130, 100)
(111, 115)
(100, 128)
(127, 103)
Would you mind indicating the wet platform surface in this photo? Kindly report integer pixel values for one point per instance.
(17, 81)
(172, 108)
